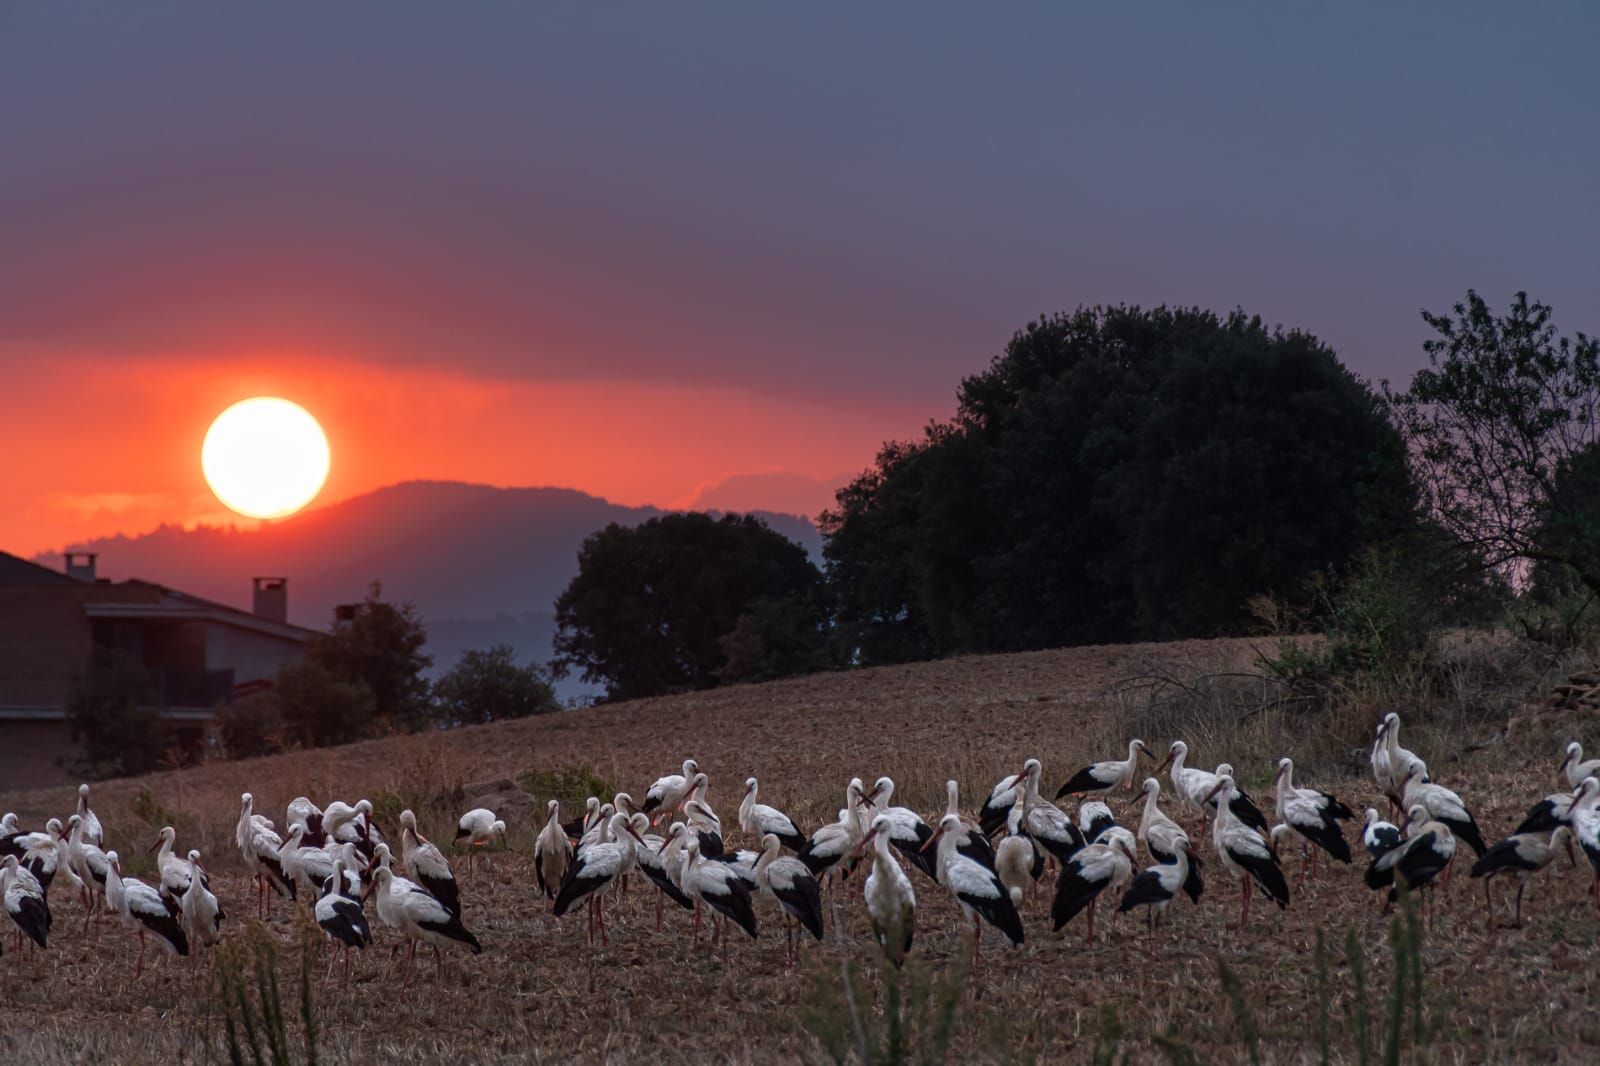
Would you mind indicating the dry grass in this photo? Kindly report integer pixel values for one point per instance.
(538, 993)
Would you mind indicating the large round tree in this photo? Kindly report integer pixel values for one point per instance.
(653, 605)
(1116, 474)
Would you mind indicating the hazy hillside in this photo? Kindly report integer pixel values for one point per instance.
(483, 564)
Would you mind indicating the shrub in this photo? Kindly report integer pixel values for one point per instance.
(112, 711)
(486, 686)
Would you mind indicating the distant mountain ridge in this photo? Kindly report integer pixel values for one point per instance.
(483, 565)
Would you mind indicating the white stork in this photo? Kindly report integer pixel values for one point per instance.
(172, 873)
(1244, 852)
(971, 840)
(982, 896)
(1443, 805)
(667, 794)
(595, 867)
(997, 808)
(302, 812)
(340, 916)
(1165, 840)
(786, 882)
(1094, 818)
(478, 827)
(201, 911)
(42, 858)
(1104, 778)
(412, 911)
(825, 848)
(552, 851)
(261, 848)
(907, 831)
(1046, 824)
(1586, 827)
(1395, 762)
(91, 866)
(426, 864)
(717, 886)
(1521, 856)
(92, 832)
(1379, 837)
(1311, 814)
(891, 901)
(143, 908)
(1418, 861)
(652, 859)
(704, 821)
(1191, 783)
(1017, 862)
(758, 818)
(1093, 870)
(24, 901)
(1574, 766)
(1157, 886)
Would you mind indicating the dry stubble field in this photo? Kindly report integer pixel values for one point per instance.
(538, 993)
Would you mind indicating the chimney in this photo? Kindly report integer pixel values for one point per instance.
(81, 565)
(271, 598)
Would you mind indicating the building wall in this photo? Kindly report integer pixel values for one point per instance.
(252, 656)
(31, 752)
(45, 637)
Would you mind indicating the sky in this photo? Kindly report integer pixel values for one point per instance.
(713, 255)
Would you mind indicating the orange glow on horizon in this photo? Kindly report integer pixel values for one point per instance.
(122, 436)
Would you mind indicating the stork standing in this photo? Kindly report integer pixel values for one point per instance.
(261, 847)
(1103, 778)
(595, 867)
(717, 886)
(907, 831)
(997, 808)
(24, 900)
(1311, 814)
(340, 916)
(426, 864)
(1417, 862)
(786, 882)
(202, 914)
(667, 794)
(1442, 805)
(1521, 856)
(1017, 862)
(1157, 886)
(412, 911)
(1586, 827)
(758, 818)
(144, 909)
(1379, 837)
(552, 852)
(979, 892)
(478, 827)
(831, 843)
(891, 901)
(1093, 870)
(1391, 767)
(971, 840)
(650, 856)
(91, 866)
(1165, 840)
(1047, 825)
(92, 831)
(1244, 852)
(1574, 766)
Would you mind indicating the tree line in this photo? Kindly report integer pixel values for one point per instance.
(1124, 474)
(1114, 474)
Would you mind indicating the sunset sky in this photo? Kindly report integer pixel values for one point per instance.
(714, 256)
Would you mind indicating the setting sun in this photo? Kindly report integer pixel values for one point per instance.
(265, 457)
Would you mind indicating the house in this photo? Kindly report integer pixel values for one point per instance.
(200, 654)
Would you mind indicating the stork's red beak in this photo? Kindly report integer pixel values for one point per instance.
(932, 840)
(1165, 763)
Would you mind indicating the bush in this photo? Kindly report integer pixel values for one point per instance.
(112, 711)
(776, 638)
(486, 686)
(252, 726)
(319, 708)
(380, 650)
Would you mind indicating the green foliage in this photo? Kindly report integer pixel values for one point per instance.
(1116, 474)
(1233, 989)
(776, 638)
(572, 785)
(1504, 414)
(252, 726)
(487, 686)
(916, 1023)
(318, 707)
(380, 649)
(255, 1028)
(647, 613)
(113, 712)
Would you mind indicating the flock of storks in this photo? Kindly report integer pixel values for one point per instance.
(337, 859)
